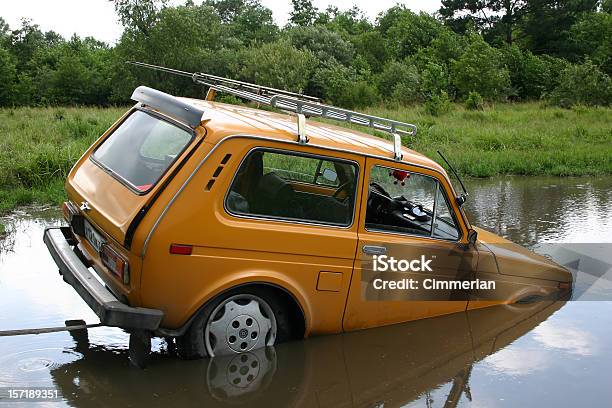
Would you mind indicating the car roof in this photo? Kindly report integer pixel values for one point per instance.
(226, 120)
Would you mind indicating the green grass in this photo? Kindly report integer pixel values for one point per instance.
(39, 145)
(519, 139)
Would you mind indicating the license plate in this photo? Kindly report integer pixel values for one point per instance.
(95, 239)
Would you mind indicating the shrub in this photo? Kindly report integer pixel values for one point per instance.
(279, 65)
(582, 84)
(474, 101)
(438, 104)
(434, 79)
(480, 68)
(400, 81)
(360, 94)
(331, 81)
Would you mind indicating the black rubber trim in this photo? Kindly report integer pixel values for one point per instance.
(105, 305)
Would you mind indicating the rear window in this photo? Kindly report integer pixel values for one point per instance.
(141, 149)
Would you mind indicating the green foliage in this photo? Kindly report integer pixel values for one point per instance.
(303, 13)
(438, 104)
(401, 58)
(401, 82)
(278, 65)
(246, 20)
(480, 69)
(407, 32)
(8, 75)
(582, 84)
(546, 28)
(474, 101)
(495, 18)
(591, 36)
(323, 43)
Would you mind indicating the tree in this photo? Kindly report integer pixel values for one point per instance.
(138, 14)
(323, 43)
(247, 20)
(493, 18)
(303, 13)
(547, 25)
(480, 69)
(269, 65)
(8, 74)
(407, 32)
(583, 84)
(592, 36)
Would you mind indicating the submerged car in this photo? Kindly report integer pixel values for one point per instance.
(231, 228)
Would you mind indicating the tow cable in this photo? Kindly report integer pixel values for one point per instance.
(140, 341)
(70, 325)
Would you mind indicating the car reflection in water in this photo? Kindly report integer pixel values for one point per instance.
(388, 366)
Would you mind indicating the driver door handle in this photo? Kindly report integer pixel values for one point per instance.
(374, 250)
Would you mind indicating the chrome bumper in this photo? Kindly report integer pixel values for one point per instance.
(109, 309)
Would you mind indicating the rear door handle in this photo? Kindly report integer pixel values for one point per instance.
(374, 250)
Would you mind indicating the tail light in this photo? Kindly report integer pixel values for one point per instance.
(69, 211)
(115, 263)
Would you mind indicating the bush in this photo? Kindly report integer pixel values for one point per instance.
(279, 65)
(438, 104)
(582, 84)
(474, 101)
(480, 68)
(7, 77)
(434, 79)
(400, 81)
(360, 94)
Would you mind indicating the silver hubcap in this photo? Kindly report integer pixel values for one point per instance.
(240, 323)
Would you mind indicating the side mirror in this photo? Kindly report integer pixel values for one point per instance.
(461, 200)
(329, 175)
(472, 237)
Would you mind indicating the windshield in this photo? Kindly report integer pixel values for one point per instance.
(141, 149)
(406, 202)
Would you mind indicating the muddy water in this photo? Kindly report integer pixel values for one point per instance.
(543, 354)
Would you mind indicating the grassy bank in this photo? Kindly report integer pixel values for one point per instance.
(39, 145)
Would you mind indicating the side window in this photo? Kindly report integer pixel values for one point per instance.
(263, 186)
(405, 202)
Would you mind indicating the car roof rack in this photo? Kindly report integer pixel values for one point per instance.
(302, 105)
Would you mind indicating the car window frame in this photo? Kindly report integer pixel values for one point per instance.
(120, 178)
(294, 220)
(439, 186)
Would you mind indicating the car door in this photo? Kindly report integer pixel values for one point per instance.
(406, 216)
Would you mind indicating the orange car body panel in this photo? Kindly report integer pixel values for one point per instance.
(318, 265)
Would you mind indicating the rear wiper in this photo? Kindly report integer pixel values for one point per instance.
(463, 197)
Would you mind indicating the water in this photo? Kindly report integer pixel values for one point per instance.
(544, 354)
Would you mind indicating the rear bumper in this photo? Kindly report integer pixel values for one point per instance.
(109, 309)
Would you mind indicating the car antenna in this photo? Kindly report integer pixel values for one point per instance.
(463, 197)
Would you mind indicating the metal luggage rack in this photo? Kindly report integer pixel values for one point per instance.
(302, 105)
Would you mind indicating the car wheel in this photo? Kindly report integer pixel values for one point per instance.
(239, 321)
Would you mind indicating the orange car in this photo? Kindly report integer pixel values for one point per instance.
(231, 228)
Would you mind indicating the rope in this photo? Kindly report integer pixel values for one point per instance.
(41, 330)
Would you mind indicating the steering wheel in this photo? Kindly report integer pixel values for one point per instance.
(344, 186)
(379, 199)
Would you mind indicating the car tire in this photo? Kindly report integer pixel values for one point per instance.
(194, 344)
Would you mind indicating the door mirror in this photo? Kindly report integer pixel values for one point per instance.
(472, 237)
(329, 175)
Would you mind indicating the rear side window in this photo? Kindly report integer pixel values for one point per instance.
(141, 149)
(287, 185)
